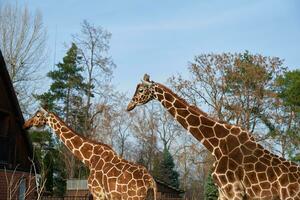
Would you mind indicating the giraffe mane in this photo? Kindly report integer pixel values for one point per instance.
(82, 136)
(192, 107)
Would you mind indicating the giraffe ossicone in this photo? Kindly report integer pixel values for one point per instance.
(111, 177)
(243, 169)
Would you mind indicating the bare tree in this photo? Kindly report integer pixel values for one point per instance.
(93, 44)
(232, 86)
(22, 42)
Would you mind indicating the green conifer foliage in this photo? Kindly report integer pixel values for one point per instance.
(164, 169)
(210, 189)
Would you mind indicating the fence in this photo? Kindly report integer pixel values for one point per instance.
(66, 198)
(87, 198)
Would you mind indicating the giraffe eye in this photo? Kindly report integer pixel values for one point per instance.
(141, 90)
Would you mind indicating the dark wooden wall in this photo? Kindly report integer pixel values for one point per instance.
(15, 147)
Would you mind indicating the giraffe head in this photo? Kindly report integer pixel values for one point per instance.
(38, 120)
(143, 94)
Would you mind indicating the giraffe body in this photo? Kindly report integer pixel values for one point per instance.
(111, 177)
(243, 169)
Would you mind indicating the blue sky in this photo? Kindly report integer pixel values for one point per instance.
(161, 37)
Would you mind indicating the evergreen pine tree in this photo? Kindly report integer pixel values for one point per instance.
(65, 97)
(210, 189)
(164, 170)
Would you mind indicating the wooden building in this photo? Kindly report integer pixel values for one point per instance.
(16, 152)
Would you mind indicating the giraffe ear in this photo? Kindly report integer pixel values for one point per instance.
(146, 78)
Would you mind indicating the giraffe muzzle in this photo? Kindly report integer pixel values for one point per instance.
(131, 106)
(28, 124)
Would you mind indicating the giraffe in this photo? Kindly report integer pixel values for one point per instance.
(111, 177)
(243, 169)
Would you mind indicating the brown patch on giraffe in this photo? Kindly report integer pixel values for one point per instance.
(137, 174)
(68, 135)
(277, 171)
(98, 150)
(77, 154)
(169, 97)
(250, 145)
(64, 129)
(159, 90)
(183, 113)
(246, 181)
(293, 169)
(223, 179)
(208, 145)
(266, 193)
(250, 159)
(218, 153)
(228, 126)
(258, 152)
(214, 141)
(113, 172)
(243, 137)
(206, 121)
(230, 176)
(239, 172)
(235, 130)
(232, 142)
(76, 141)
(132, 184)
(116, 160)
(293, 188)
(222, 165)
(249, 167)
(220, 131)
(262, 176)
(271, 174)
(259, 167)
(167, 104)
(107, 166)
(193, 120)
(292, 179)
(69, 144)
(275, 161)
(182, 121)
(207, 131)
(256, 189)
(252, 177)
(236, 155)
(284, 180)
(245, 151)
(112, 183)
(141, 191)
(284, 193)
(99, 175)
(283, 168)
(172, 111)
(178, 104)
(160, 97)
(86, 150)
(265, 161)
(223, 147)
(196, 133)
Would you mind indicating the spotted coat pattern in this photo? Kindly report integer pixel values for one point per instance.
(111, 177)
(243, 169)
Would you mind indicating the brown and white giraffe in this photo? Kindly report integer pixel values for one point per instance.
(243, 169)
(111, 177)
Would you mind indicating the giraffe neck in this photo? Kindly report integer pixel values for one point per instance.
(81, 147)
(203, 128)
